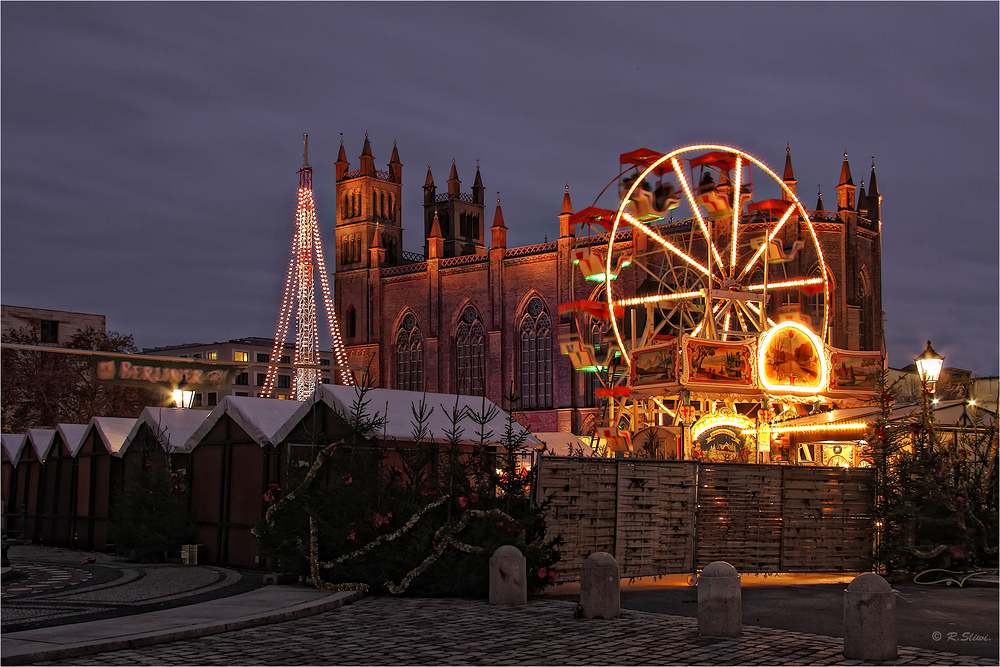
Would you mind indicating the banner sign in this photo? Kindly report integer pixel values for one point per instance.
(166, 374)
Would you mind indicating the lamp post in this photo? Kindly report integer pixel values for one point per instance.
(183, 398)
(929, 365)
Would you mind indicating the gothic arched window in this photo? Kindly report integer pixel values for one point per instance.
(536, 356)
(470, 353)
(351, 326)
(409, 355)
(598, 327)
(346, 212)
(814, 301)
(864, 321)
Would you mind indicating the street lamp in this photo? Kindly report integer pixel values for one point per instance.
(929, 365)
(183, 398)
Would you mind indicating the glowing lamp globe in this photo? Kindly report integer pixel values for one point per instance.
(929, 365)
(183, 398)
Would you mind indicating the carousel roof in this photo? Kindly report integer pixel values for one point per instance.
(947, 413)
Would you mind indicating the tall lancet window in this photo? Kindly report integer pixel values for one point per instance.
(470, 353)
(536, 356)
(409, 355)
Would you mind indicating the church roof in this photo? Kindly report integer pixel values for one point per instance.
(567, 205)
(789, 175)
(845, 173)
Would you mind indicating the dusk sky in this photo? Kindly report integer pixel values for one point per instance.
(149, 150)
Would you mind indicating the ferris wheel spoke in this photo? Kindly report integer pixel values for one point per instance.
(767, 242)
(737, 199)
(693, 203)
(636, 225)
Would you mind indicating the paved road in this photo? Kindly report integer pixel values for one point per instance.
(55, 587)
(415, 631)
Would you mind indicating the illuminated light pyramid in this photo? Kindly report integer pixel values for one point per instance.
(299, 299)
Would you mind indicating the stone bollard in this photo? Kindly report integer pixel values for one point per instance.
(869, 619)
(720, 601)
(508, 577)
(600, 586)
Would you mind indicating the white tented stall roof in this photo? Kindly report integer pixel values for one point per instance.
(41, 439)
(13, 445)
(111, 431)
(398, 406)
(565, 444)
(947, 413)
(261, 418)
(172, 427)
(72, 435)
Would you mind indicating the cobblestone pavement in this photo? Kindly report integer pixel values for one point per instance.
(413, 631)
(59, 588)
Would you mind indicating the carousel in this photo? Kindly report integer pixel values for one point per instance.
(706, 325)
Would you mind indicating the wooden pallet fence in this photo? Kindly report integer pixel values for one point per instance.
(656, 527)
(739, 516)
(669, 517)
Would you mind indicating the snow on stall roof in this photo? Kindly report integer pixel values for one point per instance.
(41, 439)
(111, 431)
(172, 427)
(398, 406)
(72, 435)
(13, 445)
(565, 444)
(261, 418)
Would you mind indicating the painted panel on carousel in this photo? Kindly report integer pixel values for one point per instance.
(853, 372)
(655, 366)
(723, 366)
(791, 360)
(724, 436)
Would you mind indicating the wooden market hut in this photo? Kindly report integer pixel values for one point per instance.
(232, 462)
(12, 446)
(98, 473)
(58, 492)
(31, 478)
(162, 434)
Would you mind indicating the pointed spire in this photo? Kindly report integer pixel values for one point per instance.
(873, 183)
(435, 242)
(367, 161)
(478, 190)
(342, 165)
(429, 181)
(874, 198)
(819, 202)
(430, 189)
(789, 174)
(862, 199)
(567, 206)
(395, 166)
(454, 184)
(845, 172)
(499, 231)
(436, 228)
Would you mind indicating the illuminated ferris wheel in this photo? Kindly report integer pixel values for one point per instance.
(714, 263)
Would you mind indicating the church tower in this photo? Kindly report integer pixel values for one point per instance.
(460, 215)
(368, 204)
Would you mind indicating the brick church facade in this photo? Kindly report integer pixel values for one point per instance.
(476, 317)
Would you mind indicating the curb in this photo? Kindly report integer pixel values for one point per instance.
(149, 639)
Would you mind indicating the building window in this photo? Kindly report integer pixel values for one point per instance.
(212, 355)
(814, 301)
(284, 381)
(286, 359)
(590, 382)
(409, 355)
(49, 331)
(864, 324)
(324, 380)
(470, 353)
(197, 401)
(242, 378)
(352, 322)
(263, 358)
(536, 356)
(213, 398)
(241, 393)
(241, 356)
(260, 379)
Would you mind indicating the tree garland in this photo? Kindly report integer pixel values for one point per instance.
(443, 536)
